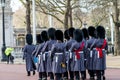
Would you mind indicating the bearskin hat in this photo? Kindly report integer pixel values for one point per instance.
(100, 32)
(59, 35)
(29, 39)
(70, 31)
(91, 31)
(78, 35)
(66, 35)
(39, 40)
(51, 33)
(44, 35)
(85, 33)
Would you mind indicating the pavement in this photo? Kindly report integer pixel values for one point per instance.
(17, 71)
(113, 61)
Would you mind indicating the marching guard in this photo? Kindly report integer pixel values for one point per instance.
(58, 56)
(91, 45)
(41, 57)
(47, 49)
(70, 61)
(78, 49)
(27, 50)
(61, 56)
(85, 39)
(66, 39)
(100, 54)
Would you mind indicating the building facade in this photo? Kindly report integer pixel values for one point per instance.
(9, 38)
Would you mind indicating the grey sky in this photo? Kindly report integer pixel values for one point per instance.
(15, 4)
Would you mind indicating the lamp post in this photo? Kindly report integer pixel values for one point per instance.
(34, 22)
(3, 25)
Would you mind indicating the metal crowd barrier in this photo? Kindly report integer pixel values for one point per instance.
(17, 53)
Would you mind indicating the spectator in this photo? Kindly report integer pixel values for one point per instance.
(10, 57)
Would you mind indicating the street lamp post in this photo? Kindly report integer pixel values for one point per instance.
(34, 22)
(3, 25)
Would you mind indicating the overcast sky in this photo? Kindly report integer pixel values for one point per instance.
(15, 4)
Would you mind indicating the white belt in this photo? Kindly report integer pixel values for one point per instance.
(76, 56)
(91, 52)
(70, 55)
(56, 59)
(103, 49)
(44, 57)
(49, 51)
(39, 59)
(46, 52)
(98, 54)
(58, 53)
(66, 52)
(81, 52)
(92, 49)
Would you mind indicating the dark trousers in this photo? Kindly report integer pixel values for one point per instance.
(83, 75)
(91, 73)
(9, 59)
(103, 74)
(77, 76)
(40, 75)
(71, 75)
(29, 73)
(58, 76)
(50, 74)
(43, 75)
(98, 74)
(65, 75)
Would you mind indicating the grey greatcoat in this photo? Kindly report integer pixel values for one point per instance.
(41, 61)
(69, 56)
(58, 57)
(27, 50)
(100, 62)
(78, 63)
(91, 45)
(47, 49)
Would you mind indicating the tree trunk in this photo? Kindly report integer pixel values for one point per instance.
(28, 28)
(66, 20)
(70, 13)
(67, 15)
(116, 20)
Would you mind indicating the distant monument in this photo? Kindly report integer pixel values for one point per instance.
(8, 25)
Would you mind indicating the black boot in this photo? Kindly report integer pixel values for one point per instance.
(71, 75)
(99, 75)
(103, 77)
(40, 79)
(33, 72)
(40, 76)
(77, 76)
(92, 78)
(65, 76)
(28, 73)
(83, 75)
(50, 74)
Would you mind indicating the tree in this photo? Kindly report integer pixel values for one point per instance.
(105, 4)
(56, 7)
(117, 25)
(64, 8)
(28, 21)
